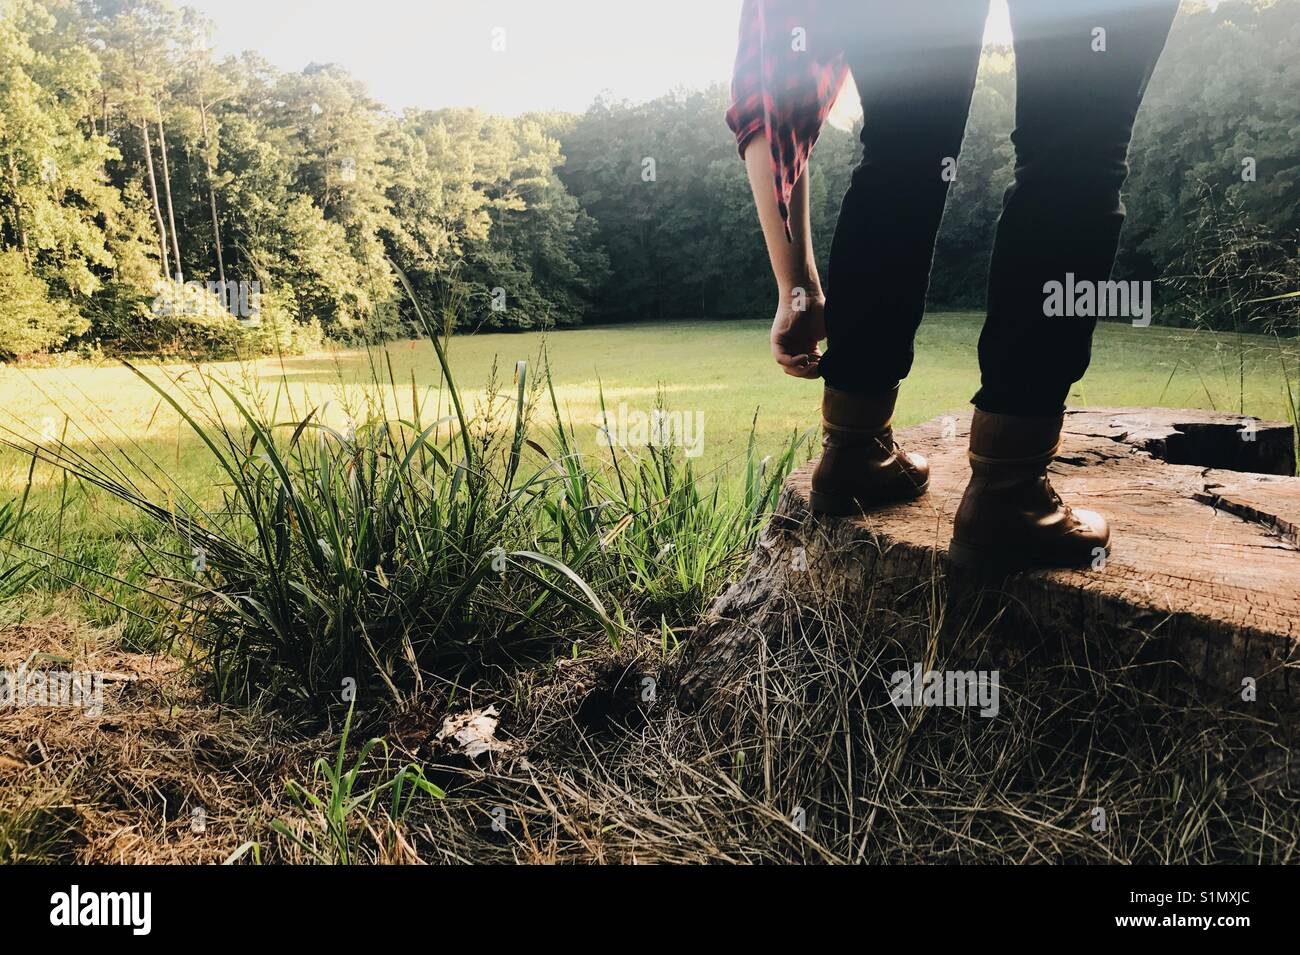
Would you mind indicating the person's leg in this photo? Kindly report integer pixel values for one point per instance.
(1082, 67)
(914, 64)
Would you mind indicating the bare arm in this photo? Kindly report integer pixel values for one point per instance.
(798, 325)
(792, 262)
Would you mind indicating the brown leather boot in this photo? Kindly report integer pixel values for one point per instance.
(861, 466)
(1010, 518)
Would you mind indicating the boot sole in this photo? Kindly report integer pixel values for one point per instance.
(836, 506)
(1000, 561)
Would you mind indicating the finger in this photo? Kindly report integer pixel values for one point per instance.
(803, 366)
(809, 373)
(789, 359)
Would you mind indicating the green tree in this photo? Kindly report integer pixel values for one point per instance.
(30, 320)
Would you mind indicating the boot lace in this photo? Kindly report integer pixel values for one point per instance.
(1056, 500)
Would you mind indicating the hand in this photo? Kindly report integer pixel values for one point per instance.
(795, 335)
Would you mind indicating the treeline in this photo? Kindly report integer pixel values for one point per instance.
(155, 198)
(145, 186)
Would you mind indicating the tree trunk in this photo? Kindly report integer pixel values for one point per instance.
(153, 194)
(1200, 591)
(20, 230)
(212, 198)
(167, 189)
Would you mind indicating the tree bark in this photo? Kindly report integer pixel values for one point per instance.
(212, 197)
(167, 188)
(1201, 586)
(153, 194)
(20, 230)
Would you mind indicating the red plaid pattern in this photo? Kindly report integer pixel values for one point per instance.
(783, 89)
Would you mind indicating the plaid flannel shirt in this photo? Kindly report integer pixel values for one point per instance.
(784, 84)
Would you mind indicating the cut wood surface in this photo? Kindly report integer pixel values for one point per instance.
(1204, 572)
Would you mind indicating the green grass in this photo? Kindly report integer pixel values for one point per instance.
(721, 370)
(411, 558)
(388, 533)
(326, 829)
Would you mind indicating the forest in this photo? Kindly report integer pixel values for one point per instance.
(156, 198)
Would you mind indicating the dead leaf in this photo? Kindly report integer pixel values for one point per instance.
(474, 732)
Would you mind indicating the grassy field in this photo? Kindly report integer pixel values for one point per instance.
(471, 569)
(719, 369)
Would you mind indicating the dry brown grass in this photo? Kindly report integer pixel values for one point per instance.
(809, 727)
(596, 772)
(122, 786)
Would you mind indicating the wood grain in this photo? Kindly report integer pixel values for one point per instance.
(1203, 580)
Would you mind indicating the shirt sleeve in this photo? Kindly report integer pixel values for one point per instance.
(788, 70)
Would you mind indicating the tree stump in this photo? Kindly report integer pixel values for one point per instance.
(1203, 582)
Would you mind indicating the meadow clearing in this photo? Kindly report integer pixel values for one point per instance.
(719, 369)
(717, 372)
(419, 570)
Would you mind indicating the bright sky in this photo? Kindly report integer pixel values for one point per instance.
(558, 53)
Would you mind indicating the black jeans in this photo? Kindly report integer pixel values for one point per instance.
(915, 62)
